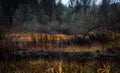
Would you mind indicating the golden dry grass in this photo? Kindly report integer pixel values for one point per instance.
(28, 36)
(57, 66)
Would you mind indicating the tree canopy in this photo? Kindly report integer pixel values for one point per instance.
(80, 16)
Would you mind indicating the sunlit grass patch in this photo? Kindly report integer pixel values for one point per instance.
(105, 69)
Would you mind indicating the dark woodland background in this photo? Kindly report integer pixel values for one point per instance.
(51, 16)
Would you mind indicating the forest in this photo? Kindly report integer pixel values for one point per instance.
(51, 16)
(49, 36)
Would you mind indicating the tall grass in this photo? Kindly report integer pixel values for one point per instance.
(57, 66)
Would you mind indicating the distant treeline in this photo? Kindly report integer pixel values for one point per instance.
(51, 16)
